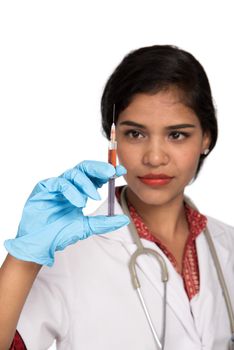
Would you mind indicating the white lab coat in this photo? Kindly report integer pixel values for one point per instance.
(86, 300)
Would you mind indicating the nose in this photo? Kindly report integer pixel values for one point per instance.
(156, 154)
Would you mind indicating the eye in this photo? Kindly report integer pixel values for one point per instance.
(178, 135)
(134, 134)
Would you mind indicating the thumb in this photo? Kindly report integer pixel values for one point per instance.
(103, 224)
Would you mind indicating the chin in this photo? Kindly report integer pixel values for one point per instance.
(150, 196)
(156, 200)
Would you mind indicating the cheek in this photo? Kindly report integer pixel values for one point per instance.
(120, 155)
(188, 163)
(127, 157)
(126, 161)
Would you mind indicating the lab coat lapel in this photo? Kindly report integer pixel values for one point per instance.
(206, 305)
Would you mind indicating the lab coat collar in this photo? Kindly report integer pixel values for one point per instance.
(123, 234)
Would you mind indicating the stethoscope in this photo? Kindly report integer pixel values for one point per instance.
(164, 277)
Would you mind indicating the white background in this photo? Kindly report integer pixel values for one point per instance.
(55, 57)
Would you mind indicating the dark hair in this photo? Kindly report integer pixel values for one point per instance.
(155, 68)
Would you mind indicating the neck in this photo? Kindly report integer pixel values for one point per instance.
(166, 222)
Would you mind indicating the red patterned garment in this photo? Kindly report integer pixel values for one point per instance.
(190, 269)
(18, 343)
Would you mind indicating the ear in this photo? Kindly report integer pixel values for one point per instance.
(205, 141)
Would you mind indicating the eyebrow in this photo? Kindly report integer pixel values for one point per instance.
(169, 127)
(130, 123)
(180, 126)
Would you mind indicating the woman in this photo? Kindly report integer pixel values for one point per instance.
(165, 127)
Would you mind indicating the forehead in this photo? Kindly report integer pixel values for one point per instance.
(164, 106)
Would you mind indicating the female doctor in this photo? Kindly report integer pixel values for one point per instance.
(165, 128)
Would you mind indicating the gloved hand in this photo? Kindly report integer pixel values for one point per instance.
(52, 217)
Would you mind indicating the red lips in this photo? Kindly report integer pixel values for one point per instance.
(155, 179)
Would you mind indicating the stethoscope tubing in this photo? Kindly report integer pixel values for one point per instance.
(136, 283)
(149, 318)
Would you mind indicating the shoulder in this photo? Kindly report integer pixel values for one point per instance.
(219, 226)
(216, 227)
(221, 231)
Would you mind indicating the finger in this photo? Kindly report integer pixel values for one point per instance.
(105, 167)
(59, 185)
(103, 224)
(78, 230)
(98, 172)
(82, 182)
(120, 170)
(89, 175)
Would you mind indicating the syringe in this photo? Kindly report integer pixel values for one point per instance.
(112, 156)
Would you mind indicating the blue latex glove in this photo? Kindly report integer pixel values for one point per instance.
(52, 217)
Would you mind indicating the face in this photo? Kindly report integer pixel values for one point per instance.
(160, 141)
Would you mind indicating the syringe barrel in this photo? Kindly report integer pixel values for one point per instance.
(112, 159)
